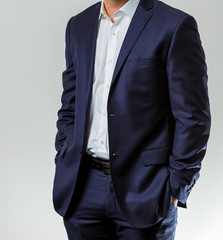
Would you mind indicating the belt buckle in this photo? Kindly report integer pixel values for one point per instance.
(106, 167)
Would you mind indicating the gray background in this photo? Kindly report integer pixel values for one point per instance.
(31, 61)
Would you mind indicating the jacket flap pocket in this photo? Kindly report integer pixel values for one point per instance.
(156, 156)
(65, 145)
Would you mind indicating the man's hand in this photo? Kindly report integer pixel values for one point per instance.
(175, 201)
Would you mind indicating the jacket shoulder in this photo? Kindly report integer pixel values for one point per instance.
(168, 10)
(82, 15)
(169, 15)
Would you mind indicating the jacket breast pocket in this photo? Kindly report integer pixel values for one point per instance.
(156, 156)
(143, 63)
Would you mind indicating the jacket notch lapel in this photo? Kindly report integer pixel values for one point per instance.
(138, 22)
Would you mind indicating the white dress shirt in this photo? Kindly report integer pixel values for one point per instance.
(109, 40)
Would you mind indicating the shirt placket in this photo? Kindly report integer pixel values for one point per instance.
(109, 68)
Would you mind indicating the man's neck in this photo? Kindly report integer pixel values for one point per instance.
(111, 6)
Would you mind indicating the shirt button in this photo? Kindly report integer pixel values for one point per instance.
(113, 33)
(110, 60)
(102, 141)
(104, 113)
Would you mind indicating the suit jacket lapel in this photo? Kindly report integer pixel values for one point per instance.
(139, 20)
(86, 57)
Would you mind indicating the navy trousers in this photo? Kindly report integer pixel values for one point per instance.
(95, 213)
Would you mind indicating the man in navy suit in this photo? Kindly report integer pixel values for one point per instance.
(134, 122)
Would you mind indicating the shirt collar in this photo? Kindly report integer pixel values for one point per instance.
(128, 8)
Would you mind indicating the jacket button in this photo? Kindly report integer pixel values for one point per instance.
(112, 114)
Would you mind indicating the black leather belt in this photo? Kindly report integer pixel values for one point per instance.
(100, 164)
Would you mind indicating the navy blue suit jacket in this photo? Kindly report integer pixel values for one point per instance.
(158, 110)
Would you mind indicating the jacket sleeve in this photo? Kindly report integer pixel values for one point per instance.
(187, 80)
(66, 114)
